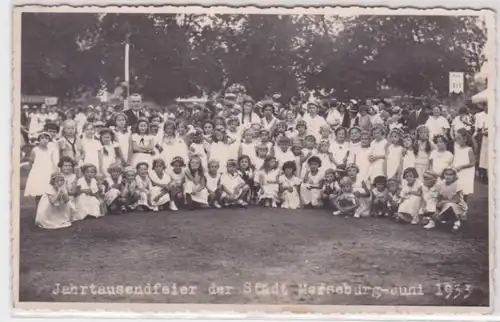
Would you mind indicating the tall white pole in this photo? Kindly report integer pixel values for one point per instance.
(127, 73)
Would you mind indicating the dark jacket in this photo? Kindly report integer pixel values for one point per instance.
(132, 118)
(415, 121)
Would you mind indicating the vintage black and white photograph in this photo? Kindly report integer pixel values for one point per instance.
(318, 157)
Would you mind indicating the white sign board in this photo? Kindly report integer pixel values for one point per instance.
(50, 100)
(456, 82)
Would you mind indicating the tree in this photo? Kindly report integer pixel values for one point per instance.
(410, 53)
(53, 56)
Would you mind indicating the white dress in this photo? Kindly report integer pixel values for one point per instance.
(311, 196)
(363, 164)
(411, 203)
(291, 200)
(233, 149)
(137, 157)
(441, 161)
(53, 215)
(213, 182)
(159, 191)
(354, 149)
(199, 150)
(230, 182)
(200, 197)
(39, 176)
(394, 153)
(269, 190)
(408, 160)
(123, 140)
(108, 157)
(282, 157)
(429, 199)
(219, 152)
(112, 193)
(70, 181)
(364, 202)
(87, 205)
(91, 148)
(437, 126)
(249, 150)
(340, 151)
(145, 199)
(314, 124)
(377, 167)
(170, 147)
(482, 124)
(465, 176)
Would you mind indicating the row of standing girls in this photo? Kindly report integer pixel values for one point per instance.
(162, 164)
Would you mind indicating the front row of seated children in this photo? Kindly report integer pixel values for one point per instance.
(142, 188)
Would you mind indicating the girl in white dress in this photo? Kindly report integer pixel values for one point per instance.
(408, 154)
(411, 195)
(265, 139)
(394, 154)
(248, 116)
(339, 149)
(213, 183)
(282, 151)
(361, 157)
(92, 148)
(313, 120)
(195, 190)
(325, 156)
(170, 144)
(87, 201)
(41, 164)
(53, 210)
(67, 169)
(144, 188)
(437, 124)
(451, 204)
(178, 178)
(464, 162)
(122, 135)
(310, 190)
(268, 181)
(219, 148)
(309, 150)
(360, 190)
(234, 189)
(113, 189)
(111, 152)
(142, 144)
(197, 149)
(440, 158)
(422, 150)
(160, 191)
(378, 154)
(354, 143)
(289, 186)
(247, 147)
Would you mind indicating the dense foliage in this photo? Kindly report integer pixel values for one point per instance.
(184, 55)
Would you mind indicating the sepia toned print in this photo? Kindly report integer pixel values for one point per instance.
(242, 159)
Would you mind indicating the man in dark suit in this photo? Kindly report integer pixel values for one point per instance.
(418, 117)
(135, 110)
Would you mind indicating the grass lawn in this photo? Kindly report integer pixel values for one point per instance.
(255, 245)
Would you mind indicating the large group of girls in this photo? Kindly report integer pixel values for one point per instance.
(355, 160)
